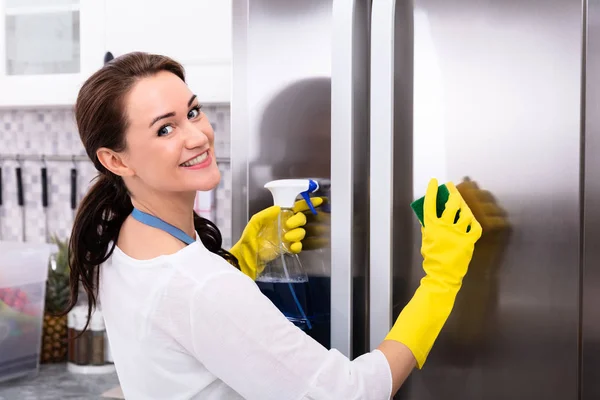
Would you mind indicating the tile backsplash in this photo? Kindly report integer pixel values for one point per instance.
(54, 132)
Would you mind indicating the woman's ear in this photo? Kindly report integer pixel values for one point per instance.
(114, 162)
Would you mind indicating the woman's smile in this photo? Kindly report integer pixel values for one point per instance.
(198, 162)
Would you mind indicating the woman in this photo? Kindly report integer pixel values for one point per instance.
(183, 321)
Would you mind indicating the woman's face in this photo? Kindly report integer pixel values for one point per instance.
(170, 142)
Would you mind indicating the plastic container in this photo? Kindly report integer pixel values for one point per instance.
(23, 275)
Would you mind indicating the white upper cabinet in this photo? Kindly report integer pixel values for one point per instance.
(49, 47)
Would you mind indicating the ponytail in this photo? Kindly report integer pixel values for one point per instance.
(97, 225)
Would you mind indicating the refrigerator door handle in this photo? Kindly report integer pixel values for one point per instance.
(349, 189)
(384, 43)
(341, 176)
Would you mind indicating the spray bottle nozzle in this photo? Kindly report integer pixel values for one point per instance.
(285, 191)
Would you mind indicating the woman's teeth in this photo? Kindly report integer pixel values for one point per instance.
(201, 158)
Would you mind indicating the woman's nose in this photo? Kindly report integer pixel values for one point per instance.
(195, 137)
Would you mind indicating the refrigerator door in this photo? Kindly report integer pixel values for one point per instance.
(281, 113)
(288, 95)
(496, 98)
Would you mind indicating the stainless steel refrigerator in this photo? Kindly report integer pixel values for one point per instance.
(372, 98)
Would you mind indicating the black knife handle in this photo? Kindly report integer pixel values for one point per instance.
(20, 195)
(73, 188)
(44, 187)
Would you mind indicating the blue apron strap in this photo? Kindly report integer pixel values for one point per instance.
(156, 222)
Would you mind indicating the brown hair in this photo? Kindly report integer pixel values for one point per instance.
(102, 122)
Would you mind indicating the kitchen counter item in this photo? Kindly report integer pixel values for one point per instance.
(23, 274)
(87, 352)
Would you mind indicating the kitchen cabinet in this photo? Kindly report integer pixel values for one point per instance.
(197, 33)
(47, 49)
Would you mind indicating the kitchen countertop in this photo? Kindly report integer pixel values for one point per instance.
(55, 382)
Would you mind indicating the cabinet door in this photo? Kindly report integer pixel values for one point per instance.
(47, 49)
(197, 33)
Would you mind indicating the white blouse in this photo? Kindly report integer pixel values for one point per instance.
(191, 326)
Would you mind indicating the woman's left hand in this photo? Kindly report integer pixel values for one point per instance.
(255, 248)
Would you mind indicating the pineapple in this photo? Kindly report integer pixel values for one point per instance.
(55, 330)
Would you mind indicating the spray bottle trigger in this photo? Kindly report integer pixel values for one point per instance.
(312, 187)
(310, 205)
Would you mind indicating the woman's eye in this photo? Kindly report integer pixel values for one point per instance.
(165, 130)
(194, 112)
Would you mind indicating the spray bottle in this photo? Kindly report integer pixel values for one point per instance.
(284, 280)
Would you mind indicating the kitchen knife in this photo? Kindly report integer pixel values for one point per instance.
(44, 172)
(21, 199)
(73, 190)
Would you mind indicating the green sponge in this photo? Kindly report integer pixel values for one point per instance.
(442, 197)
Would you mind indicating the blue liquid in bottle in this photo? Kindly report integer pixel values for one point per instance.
(290, 297)
(313, 296)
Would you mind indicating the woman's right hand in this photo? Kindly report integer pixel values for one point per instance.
(447, 248)
(448, 243)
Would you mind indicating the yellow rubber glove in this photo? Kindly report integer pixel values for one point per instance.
(261, 232)
(447, 249)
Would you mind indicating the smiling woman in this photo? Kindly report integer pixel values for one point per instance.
(183, 316)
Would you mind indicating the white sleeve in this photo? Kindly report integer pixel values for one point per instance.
(242, 338)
